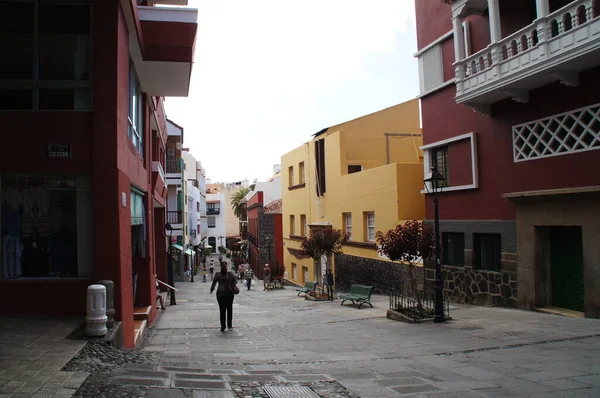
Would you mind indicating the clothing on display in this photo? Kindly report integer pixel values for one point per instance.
(39, 227)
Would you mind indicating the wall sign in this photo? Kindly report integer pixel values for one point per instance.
(59, 151)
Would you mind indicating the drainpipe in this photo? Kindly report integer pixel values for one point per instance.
(387, 141)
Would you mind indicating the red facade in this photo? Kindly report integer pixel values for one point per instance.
(103, 151)
(512, 123)
(498, 174)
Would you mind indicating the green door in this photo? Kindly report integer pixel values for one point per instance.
(566, 256)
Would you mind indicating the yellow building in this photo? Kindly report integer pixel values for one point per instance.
(361, 176)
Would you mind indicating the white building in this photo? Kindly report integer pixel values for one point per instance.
(201, 178)
(271, 189)
(215, 219)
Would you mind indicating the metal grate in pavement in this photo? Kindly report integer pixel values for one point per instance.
(290, 392)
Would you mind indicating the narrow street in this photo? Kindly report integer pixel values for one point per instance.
(282, 340)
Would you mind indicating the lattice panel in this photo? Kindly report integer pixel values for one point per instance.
(569, 132)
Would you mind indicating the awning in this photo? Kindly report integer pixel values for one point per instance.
(189, 252)
(176, 246)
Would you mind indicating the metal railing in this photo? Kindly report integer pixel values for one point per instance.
(418, 306)
(174, 217)
(173, 166)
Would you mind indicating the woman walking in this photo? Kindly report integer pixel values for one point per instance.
(224, 294)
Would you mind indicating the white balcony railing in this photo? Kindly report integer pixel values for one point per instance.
(541, 45)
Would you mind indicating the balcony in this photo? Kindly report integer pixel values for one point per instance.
(174, 217)
(162, 45)
(553, 48)
(213, 211)
(159, 179)
(173, 166)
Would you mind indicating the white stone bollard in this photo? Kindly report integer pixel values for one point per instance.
(96, 311)
(110, 301)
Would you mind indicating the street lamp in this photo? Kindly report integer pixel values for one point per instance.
(268, 239)
(434, 183)
(192, 263)
(169, 230)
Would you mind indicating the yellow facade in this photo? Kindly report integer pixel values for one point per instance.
(385, 145)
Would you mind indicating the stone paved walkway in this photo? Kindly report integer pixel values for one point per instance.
(33, 351)
(282, 341)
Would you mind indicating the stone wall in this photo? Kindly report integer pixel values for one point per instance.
(480, 287)
(384, 275)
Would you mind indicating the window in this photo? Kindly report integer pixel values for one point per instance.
(292, 225)
(304, 275)
(320, 167)
(136, 110)
(453, 245)
(431, 61)
(197, 206)
(440, 162)
(291, 175)
(211, 221)
(213, 208)
(198, 229)
(348, 224)
(303, 225)
(138, 224)
(370, 223)
(354, 168)
(46, 226)
(294, 271)
(436, 154)
(45, 61)
(301, 172)
(487, 251)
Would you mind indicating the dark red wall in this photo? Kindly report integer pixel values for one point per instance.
(459, 163)
(34, 130)
(437, 20)
(278, 221)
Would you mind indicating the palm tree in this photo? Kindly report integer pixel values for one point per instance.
(236, 200)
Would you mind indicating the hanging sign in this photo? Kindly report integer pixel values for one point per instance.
(59, 151)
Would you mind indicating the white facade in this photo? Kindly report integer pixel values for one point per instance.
(201, 178)
(193, 198)
(271, 189)
(216, 223)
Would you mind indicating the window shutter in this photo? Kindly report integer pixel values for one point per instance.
(431, 68)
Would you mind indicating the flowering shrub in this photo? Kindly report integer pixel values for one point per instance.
(408, 243)
(323, 242)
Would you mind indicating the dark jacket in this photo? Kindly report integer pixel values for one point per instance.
(223, 281)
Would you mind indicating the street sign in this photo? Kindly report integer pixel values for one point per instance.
(59, 151)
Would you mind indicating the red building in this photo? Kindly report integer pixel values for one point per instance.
(511, 118)
(81, 89)
(265, 233)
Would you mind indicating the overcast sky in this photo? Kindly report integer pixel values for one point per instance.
(268, 74)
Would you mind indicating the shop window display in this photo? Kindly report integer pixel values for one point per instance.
(40, 227)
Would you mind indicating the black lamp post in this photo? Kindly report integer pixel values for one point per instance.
(434, 184)
(192, 265)
(169, 230)
(268, 239)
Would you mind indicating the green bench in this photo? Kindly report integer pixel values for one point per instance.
(308, 287)
(359, 294)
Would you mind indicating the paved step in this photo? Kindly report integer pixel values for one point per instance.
(138, 329)
(141, 313)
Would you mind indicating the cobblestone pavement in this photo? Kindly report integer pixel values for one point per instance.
(283, 342)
